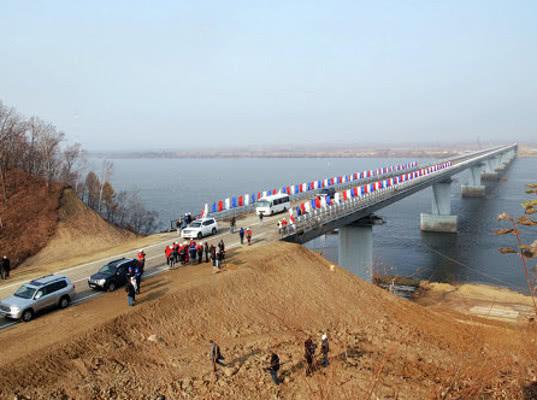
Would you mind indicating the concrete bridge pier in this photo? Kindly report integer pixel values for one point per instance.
(474, 188)
(441, 219)
(490, 173)
(355, 247)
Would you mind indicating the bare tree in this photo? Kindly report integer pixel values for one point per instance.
(92, 188)
(106, 172)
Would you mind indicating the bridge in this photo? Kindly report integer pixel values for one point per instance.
(354, 218)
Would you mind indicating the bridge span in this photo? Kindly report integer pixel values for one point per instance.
(354, 218)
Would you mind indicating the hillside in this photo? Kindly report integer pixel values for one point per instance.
(269, 298)
(40, 226)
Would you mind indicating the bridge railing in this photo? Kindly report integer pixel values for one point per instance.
(321, 216)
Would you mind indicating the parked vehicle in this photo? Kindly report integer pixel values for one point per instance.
(46, 292)
(200, 228)
(273, 204)
(112, 275)
(329, 191)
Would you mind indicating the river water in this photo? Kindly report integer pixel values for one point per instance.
(174, 186)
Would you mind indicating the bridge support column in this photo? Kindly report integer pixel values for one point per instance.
(474, 188)
(355, 248)
(440, 220)
(490, 173)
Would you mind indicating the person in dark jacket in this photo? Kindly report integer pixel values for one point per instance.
(274, 368)
(325, 349)
(216, 356)
(206, 249)
(222, 248)
(232, 225)
(213, 254)
(241, 235)
(138, 276)
(192, 251)
(131, 293)
(5, 266)
(199, 249)
(309, 355)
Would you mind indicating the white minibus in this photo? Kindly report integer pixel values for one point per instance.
(273, 204)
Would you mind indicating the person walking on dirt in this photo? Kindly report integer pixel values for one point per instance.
(274, 368)
(309, 355)
(249, 236)
(192, 251)
(241, 235)
(216, 355)
(199, 249)
(219, 258)
(175, 254)
(261, 217)
(168, 253)
(232, 225)
(131, 293)
(325, 349)
(206, 249)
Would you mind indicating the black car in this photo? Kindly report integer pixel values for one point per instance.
(112, 275)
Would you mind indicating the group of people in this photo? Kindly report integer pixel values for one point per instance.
(5, 268)
(309, 355)
(193, 252)
(134, 277)
(245, 232)
(181, 223)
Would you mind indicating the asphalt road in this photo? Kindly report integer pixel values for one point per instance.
(155, 260)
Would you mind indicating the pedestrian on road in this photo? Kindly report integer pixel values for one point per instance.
(7, 266)
(131, 293)
(192, 251)
(168, 253)
(216, 355)
(206, 248)
(309, 355)
(138, 277)
(199, 249)
(213, 254)
(141, 259)
(325, 349)
(249, 236)
(274, 368)
(2, 270)
(232, 224)
(178, 226)
(222, 248)
(261, 217)
(241, 235)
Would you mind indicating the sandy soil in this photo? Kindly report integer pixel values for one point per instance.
(269, 298)
(475, 299)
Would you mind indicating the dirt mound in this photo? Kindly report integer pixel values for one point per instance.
(269, 298)
(79, 231)
(30, 218)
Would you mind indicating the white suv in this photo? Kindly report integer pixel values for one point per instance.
(200, 228)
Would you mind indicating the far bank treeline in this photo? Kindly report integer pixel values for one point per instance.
(37, 148)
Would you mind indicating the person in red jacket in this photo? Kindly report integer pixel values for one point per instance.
(168, 253)
(141, 259)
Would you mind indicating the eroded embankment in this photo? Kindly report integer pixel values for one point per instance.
(270, 298)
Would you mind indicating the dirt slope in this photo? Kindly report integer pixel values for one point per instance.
(30, 218)
(79, 231)
(268, 298)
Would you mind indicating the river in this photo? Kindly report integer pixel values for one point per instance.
(174, 186)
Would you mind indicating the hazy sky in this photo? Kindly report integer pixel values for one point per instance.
(166, 74)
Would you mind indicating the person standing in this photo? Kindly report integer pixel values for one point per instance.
(168, 253)
(199, 249)
(222, 248)
(6, 266)
(309, 355)
(178, 226)
(261, 217)
(2, 271)
(216, 355)
(325, 349)
(232, 224)
(138, 276)
(213, 254)
(206, 248)
(249, 236)
(141, 259)
(274, 368)
(241, 235)
(131, 293)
